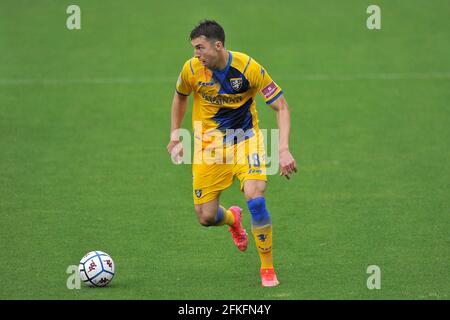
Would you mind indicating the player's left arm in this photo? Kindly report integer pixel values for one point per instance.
(287, 161)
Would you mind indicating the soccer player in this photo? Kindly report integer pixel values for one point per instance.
(224, 84)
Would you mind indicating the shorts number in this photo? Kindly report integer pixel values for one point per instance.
(255, 158)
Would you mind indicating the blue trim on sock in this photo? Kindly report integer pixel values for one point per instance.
(219, 215)
(260, 215)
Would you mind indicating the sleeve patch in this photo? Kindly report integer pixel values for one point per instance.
(269, 90)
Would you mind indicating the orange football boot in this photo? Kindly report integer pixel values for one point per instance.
(268, 277)
(237, 231)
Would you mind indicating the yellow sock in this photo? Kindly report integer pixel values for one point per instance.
(263, 240)
(228, 217)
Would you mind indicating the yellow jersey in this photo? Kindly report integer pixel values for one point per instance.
(224, 100)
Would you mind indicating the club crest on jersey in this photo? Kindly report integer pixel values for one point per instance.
(198, 193)
(236, 83)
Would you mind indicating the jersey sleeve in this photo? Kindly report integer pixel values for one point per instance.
(263, 83)
(184, 86)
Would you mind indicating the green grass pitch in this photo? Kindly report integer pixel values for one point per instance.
(84, 124)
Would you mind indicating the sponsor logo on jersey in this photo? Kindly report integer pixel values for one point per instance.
(221, 99)
(269, 90)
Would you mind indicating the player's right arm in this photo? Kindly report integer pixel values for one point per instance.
(179, 104)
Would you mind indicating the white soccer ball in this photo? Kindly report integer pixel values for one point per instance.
(96, 269)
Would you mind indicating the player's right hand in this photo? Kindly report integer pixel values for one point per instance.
(175, 149)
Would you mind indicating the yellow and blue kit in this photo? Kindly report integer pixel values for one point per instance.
(224, 106)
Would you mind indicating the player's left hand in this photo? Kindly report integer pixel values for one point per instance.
(287, 163)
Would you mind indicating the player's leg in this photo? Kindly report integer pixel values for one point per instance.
(261, 228)
(209, 181)
(261, 222)
(207, 212)
(213, 214)
(251, 171)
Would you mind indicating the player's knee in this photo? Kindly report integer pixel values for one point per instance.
(206, 220)
(204, 217)
(253, 193)
(254, 189)
(198, 210)
(260, 215)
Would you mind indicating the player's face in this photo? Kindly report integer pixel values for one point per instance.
(206, 51)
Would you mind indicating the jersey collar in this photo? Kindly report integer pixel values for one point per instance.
(225, 70)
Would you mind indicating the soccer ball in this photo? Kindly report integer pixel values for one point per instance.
(96, 269)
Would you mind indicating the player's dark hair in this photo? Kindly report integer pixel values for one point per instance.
(210, 29)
